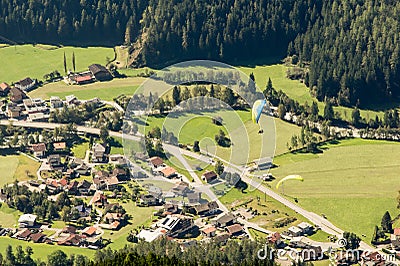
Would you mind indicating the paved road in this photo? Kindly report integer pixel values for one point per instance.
(316, 219)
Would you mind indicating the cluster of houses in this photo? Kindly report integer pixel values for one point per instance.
(29, 230)
(95, 72)
(175, 226)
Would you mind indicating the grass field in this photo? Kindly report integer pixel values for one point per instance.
(79, 150)
(297, 90)
(107, 90)
(242, 131)
(353, 182)
(34, 61)
(17, 166)
(8, 216)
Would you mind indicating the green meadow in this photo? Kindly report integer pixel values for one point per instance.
(352, 182)
(35, 61)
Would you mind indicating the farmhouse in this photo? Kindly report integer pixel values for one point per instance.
(39, 149)
(38, 237)
(4, 89)
(84, 79)
(25, 84)
(100, 72)
(27, 220)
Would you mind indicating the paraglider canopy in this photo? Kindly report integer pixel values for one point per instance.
(256, 112)
(289, 177)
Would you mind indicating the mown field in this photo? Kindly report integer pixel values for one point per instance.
(17, 167)
(238, 127)
(352, 182)
(107, 90)
(23, 61)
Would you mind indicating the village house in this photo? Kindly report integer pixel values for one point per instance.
(295, 231)
(69, 229)
(71, 240)
(176, 225)
(98, 153)
(27, 220)
(84, 188)
(225, 220)
(99, 199)
(16, 95)
(59, 146)
(13, 110)
(168, 172)
(209, 231)
(156, 162)
(38, 237)
(100, 72)
(170, 208)
(149, 200)
(205, 209)
(54, 160)
(89, 231)
(181, 189)
(26, 84)
(23, 234)
(111, 183)
(71, 100)
(234, 230)
(39, 149)
(4, 89)
(305, 228)
(194, 197)
(209, 176)
(56, 102)
(121, 174)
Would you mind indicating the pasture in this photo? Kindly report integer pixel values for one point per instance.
(352, 182)
(17, 167)
(35, 61)
(107, 90)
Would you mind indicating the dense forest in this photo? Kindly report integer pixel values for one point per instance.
(351, 47)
